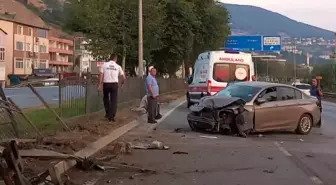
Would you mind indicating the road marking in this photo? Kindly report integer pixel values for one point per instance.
(55, 99)
(171, 111)
(9, 96)
(282, 149)
(153, 127)
(316, 180)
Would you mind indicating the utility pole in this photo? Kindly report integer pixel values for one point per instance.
(294, 52)
(140, 54)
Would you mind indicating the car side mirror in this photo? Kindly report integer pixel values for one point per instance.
(261, 101)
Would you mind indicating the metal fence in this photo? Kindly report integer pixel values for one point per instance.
(81, 96)
(77, 96)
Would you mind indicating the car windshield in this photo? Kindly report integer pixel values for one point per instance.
(303, 86)
(239, 91)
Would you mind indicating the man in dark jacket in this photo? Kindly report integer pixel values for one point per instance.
(316, 92)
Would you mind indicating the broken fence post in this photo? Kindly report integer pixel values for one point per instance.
(48, 107)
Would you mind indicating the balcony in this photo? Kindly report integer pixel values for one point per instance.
(60, 63)
(62, 51)
(65, 41)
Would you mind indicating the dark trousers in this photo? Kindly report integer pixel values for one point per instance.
(110, 91)
(153, 108)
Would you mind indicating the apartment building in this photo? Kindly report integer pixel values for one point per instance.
(86, 57)
(27, 44)
(61, 53)
(3, 37)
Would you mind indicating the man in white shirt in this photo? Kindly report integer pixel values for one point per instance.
(108, 82)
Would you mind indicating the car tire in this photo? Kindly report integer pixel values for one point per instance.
(188, 100)
(189, 104)
(193, 126)
(305, 125)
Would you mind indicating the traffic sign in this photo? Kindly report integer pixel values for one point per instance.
(254, 43)
(272, 43)
(244, 43)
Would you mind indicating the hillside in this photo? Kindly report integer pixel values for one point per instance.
(255, 20)
(245, 19)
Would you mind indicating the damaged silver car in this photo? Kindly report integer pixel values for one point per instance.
(247, 107)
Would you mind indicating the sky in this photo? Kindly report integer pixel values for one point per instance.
(318, 13)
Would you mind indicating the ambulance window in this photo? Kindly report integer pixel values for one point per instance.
(221, 72)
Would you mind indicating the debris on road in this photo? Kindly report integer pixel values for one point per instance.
(181, 130)
(139, 169)
(209, 137)
(260, 135)
(179, 152)
(154, 145)
(270, 158)
(91, 182)
(270, 170)
(310, 156)
(301, 140)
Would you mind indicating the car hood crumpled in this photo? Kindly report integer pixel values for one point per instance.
(215, 102)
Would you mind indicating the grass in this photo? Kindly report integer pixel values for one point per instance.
(43, 117)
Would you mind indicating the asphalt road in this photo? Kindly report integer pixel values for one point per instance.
(275, 158)
(25, 98)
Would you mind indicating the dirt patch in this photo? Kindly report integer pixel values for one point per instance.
(85, 130)
(167, 98)
(128, 165)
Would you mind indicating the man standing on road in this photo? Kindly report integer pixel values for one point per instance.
(316, 92)
(108, 82)
(152, 91)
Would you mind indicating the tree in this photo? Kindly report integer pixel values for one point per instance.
(175, 31)
(178, 24)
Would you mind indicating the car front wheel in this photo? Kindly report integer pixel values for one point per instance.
(305, 124)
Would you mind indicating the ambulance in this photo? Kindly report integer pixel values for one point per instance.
(213, 71)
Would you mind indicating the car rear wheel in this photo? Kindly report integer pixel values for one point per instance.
(305, 124)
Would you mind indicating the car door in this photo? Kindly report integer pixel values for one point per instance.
(288, 106)
(266, 114)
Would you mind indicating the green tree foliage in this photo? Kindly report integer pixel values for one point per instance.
(328, 73)
(174, 31)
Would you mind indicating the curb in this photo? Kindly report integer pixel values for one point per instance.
(63, 166)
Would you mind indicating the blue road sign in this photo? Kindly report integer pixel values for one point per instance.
(244, 43)
(271, 43)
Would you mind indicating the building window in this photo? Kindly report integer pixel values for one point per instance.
(19, 30)
(28, 48)
(19, 63)
(30, 31)
(36, 48)
(19, 46)
(43, 49)
(28, 64)
(43, 64)
(42, 33)
(2, 54)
